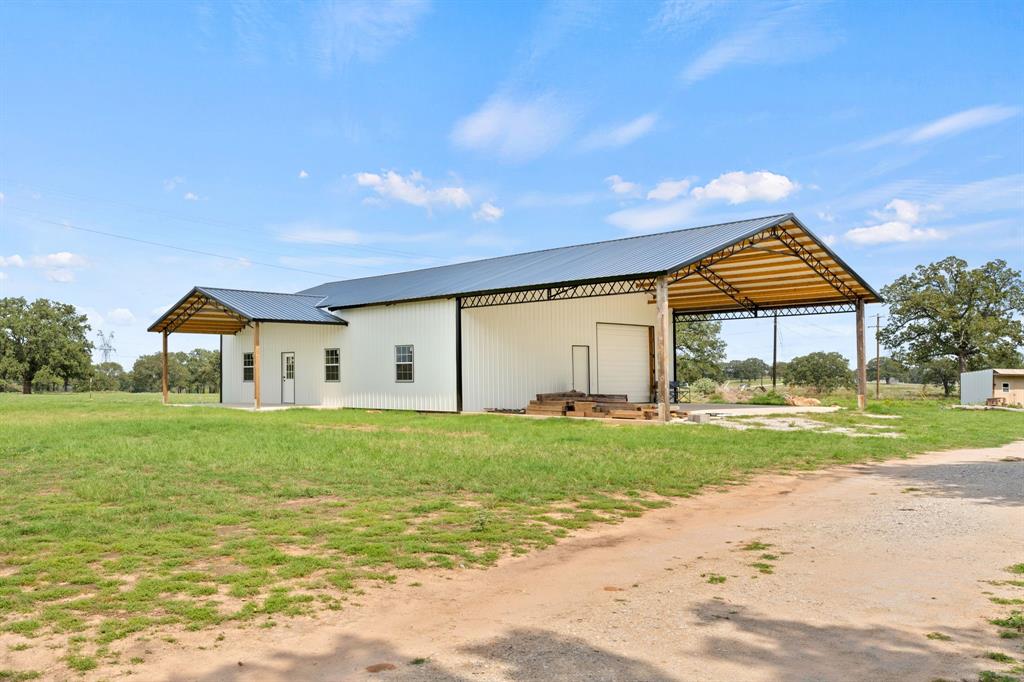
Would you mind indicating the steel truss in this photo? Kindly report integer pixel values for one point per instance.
(765, 313)
(701, 268)
(197, 305)
(559, 293)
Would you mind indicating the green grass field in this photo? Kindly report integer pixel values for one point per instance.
(119, 515)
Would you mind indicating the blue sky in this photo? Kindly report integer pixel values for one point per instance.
(316, 141)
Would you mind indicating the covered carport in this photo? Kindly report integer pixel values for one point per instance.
(764, 267)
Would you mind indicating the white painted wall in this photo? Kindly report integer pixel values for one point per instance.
(975, 387)
(512, 352)
(307, 341)
(368, 356)
(367, 348)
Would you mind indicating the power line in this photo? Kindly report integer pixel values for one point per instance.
(237, 259)
(203, 221)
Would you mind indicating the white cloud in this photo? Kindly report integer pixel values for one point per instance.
(736, 188)
(620, 186)
(488, 212)
(829, 239)
(947, 126)
(684, 16)
(191, 196)
(827, 216)
(906, 211)
(666, 190)
(58, 266)
(3, 197)
(121, 316)
(348, 30)
(171, 183)
(620, 136)
(303, 175)
(900, 218)
(61, 259)
(62, 275)
(413, 190)
(962, 122)
(3, 275)
(781, 34)
(892, 231)
(739, 187)
(514, 130)
(646, 218)
(311, 232)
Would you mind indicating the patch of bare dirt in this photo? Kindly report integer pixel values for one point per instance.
(860, 575)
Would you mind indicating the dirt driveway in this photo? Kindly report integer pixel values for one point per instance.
(855, 566)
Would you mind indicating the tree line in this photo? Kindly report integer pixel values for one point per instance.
(44, 346)
(944, 318)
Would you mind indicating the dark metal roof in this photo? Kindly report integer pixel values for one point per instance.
(643, 255)
(251, 306)
(265, 306)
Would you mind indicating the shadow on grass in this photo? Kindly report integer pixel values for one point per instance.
(520, 654)
(795, 650)
(998, 483)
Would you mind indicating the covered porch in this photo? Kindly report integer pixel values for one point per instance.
(208, 310)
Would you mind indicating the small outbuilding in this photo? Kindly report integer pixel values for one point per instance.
(1004, 386)
(491, 334)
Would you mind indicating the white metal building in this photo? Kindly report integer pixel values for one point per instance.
(978, 387)
(495, 332)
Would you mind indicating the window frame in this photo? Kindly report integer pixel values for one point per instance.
(251, 358)
(1006, 387)
(336, 365)
(411, 362)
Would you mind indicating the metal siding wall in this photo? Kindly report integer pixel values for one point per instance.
(975, 387)
(368, 356)
(307, 341)
(511, 352)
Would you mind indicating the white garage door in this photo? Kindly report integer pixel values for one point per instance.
(624, 360)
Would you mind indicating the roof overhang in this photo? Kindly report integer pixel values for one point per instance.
(202, 311)
(779, 268)
(199, 313)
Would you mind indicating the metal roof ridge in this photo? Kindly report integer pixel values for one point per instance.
(557, 248)
(257, 291)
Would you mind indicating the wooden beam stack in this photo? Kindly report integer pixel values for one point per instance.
(594, 405)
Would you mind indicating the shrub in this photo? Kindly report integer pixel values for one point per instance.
(769, 398)
(703, 386)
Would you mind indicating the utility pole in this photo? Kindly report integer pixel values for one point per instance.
(775, 348)
(878, 356)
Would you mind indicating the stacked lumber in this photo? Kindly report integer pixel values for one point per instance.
(593, 405)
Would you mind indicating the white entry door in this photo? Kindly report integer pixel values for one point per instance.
(581, 369)
(624, 360)
(288, 378)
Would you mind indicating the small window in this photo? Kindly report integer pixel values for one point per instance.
(403, 363)
(1006, 387)
(247, 366)
(332, 364)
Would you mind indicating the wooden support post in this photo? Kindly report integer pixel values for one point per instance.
(663, 345)
(256, 365)
(862, 374)
(164, 383)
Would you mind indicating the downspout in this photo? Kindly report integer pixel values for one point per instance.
(221, 398)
